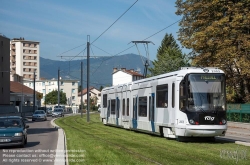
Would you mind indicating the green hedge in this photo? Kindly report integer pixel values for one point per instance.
(238, 117)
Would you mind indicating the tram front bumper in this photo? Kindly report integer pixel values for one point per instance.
(202, 130)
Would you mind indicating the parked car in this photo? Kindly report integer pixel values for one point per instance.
(39, 115)
(58, 112)
(13, 131)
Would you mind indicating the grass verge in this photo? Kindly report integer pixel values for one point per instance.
(93, 143)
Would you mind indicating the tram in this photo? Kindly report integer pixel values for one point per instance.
(190, 102)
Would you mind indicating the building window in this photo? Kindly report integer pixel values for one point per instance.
(99, 94)
(73, 90)
(162, 95)
(43, 83)
(73, 97)
(61, 90)
(73, 83)
(61, 82)
(143, 106)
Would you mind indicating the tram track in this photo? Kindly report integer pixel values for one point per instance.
(114, 144)
(135, 139)
(164, 149)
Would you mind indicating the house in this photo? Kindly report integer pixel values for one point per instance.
(21, 94)
(121, 76)
(69, 87)
(93, 92)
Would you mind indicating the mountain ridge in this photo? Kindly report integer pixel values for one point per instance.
(101, 68)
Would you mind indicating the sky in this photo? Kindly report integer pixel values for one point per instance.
(62, 25)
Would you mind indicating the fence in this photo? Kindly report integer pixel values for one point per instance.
(238, 113)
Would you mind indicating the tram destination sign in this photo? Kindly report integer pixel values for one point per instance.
(206, 77)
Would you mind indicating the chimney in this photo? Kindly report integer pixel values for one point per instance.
(123, 69)
(114, 70)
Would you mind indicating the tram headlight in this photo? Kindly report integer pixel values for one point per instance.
(191, 121)
(223, 121)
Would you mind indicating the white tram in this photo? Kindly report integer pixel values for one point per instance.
(190, 102)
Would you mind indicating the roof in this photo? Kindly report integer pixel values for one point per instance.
(84, 91)
(131, 72)
(17, 87)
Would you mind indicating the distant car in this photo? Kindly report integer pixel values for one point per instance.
(49, 111)
(39, 115)
(13, 131)
(58, 112)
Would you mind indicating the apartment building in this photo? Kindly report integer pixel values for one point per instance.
(70, 87)
(4, 70)
(25, 58)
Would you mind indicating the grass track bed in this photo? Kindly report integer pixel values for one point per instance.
(109, 145)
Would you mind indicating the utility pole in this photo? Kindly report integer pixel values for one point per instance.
(22, 99)
(81, 89)
(58, 81)
(34, 93)
(88, 109)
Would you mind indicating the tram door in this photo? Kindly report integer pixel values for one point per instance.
(152, 111)
(134, 120)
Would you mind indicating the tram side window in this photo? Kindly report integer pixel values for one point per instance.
(118, 107)
(113, 106)
(105, 100)
(162, 96)
(123, 107)
(182, 96)
(173, 95)
(143, 106)
(127, 107)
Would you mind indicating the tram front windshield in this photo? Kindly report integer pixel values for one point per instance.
(206, 92)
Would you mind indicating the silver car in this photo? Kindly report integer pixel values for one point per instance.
(39, 115)
(57, 112)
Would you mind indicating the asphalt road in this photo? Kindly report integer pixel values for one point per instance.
(39, 150)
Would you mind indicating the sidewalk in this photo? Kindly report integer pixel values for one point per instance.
(238, 129)
(238, 132)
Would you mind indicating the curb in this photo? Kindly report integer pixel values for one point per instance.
(61, 146)
(242, 143)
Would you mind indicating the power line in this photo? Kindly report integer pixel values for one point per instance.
(115, 21)
(162, 30)
(71, 49)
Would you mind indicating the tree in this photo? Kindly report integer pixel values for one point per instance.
(101, 87)
(93, 102)
(52, 97)
(169, 57)
(218, 32)
(79, 88)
